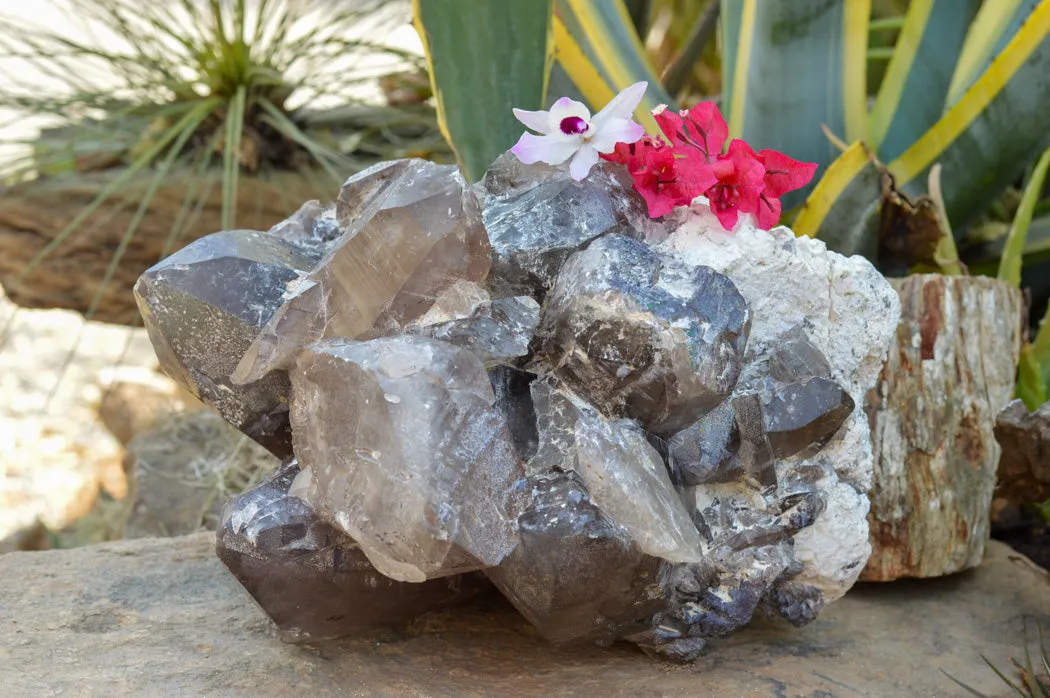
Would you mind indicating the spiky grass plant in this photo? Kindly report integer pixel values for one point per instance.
(226, 86)
(1032, 684)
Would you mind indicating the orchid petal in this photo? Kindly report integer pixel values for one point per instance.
(622, 105)
(538, 121)
(531, 148)
(615, 131)
(583, 161)
(563, 109)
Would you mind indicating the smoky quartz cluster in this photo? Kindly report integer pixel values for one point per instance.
(503, 384)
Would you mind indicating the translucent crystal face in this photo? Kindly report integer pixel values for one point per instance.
(629, 437)
(312, 579)
(406, 453)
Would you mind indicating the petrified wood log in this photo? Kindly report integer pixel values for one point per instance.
(931, 415)
(35, 213)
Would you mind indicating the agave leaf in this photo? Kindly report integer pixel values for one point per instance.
(912, 95)
(841, 208)
(984, 142)
(485, 58)
(1010, 264)
(996, 23)
(578, 67)
(699, 36)
(798, 65)
(608, 34)
(987, 139)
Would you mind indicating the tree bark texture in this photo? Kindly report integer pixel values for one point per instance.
(932, 415)
(35, 213)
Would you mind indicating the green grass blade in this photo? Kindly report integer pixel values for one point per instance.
(146, 158)
(1010, 265)
(187, 130)
(323, 155)
(1030, 387)
(971, 691)
(185, 217)
(231, 154)
(1017, 689)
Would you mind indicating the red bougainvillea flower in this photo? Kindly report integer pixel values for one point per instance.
(663, 180)
(693, 164)
(782, 174)
(701, 128)
(740, 184)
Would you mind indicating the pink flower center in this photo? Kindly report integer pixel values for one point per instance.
(572, 125)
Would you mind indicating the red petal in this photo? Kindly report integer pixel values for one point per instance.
(768, 214)
(670, 122)
(709, 126)
(784, 174)
(726, 216)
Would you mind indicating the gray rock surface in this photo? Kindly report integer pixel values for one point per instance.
(162, 618)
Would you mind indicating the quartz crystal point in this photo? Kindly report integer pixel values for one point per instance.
(403, 449)
(496, 332)
(624, 475)
(644, 336)
(311, 579)
(795, 357)
(804, 415)
(410, 230)
(577, 575)
(537, 215)
(204, 306)
(310, 229)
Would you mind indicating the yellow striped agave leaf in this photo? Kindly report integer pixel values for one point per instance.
(913, 93)
(984, 142)
(791, 67)
(597, 45)
(484, 58)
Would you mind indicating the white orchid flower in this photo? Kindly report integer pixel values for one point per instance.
(569, 131)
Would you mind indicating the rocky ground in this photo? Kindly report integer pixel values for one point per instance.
(161, 617)
(70, 462)
(57, 454)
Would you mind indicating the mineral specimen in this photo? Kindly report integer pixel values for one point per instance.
(624, 475)
(643, 335)
(403, 450)
(666, 446)
(410, 230)
(577, 574)
(313, 580)
(496, 332)
(227, 285)
(536, 216)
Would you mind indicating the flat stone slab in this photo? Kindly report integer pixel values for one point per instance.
(162, 617)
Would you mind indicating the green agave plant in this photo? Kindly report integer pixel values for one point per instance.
(957, 104)
(208, 87)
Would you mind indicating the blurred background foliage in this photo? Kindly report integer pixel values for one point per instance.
(927, 117)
